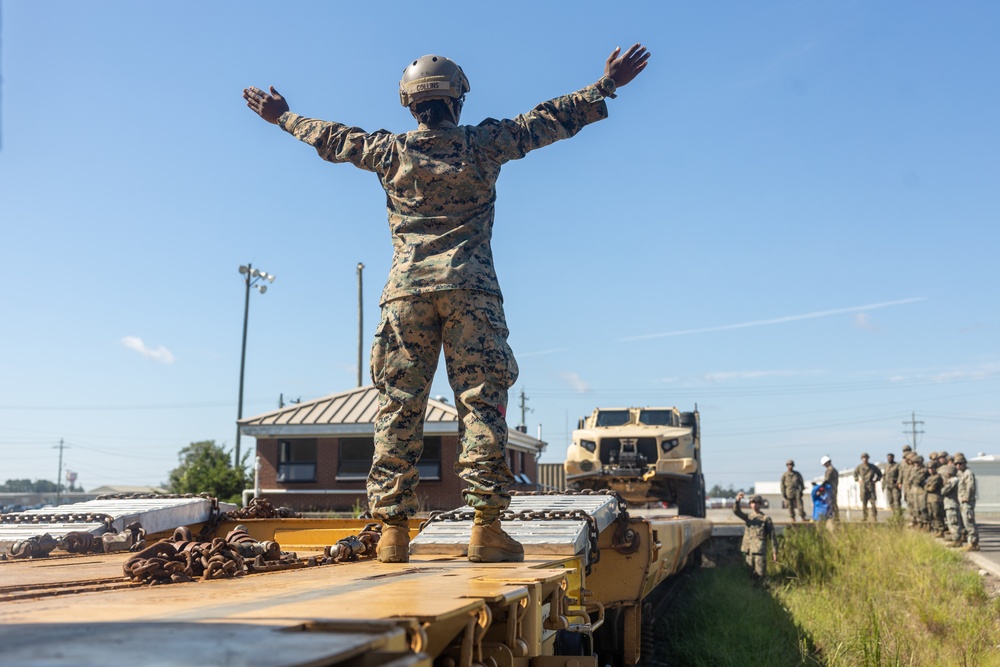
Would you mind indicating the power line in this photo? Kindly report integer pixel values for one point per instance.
(913, 430)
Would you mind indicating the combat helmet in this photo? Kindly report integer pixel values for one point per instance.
(432, 77)
(960, 458)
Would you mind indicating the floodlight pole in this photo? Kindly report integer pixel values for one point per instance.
(361, 328)
(250, 278)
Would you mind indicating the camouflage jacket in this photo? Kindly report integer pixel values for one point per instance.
(966, 487)
(832, 477)
(440, 184)
(934, 483)
(892, 476)
(792, 485)
(759, 529)
(867, 475)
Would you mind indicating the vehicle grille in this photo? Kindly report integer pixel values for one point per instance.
(612, 447)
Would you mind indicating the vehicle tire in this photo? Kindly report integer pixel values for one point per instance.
(691, 497)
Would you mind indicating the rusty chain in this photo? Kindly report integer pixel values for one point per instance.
(626, 539)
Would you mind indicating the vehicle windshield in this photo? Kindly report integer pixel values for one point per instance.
(612, 417)
(657, 417)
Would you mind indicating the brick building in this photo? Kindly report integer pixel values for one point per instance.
(316, 455)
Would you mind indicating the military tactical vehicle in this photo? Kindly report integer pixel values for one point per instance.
(645, 454)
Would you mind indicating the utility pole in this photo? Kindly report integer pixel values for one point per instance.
(59, 476)
(361, 326)
(913, 432)
(523, 426)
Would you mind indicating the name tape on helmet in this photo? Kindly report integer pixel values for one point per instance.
(432, 85)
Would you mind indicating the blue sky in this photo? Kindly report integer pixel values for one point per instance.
(790, 220)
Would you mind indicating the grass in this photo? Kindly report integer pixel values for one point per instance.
(859, 595)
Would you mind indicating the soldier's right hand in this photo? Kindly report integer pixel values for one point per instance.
(267, 106)
(739, 496)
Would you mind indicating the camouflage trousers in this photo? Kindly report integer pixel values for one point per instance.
(757, 564)
(892, 495)
(834, 507)
(471, 328)
(953, 518)
(935, 512)
(919, 497)
(969, 519)
(795, 503)
(868, 498)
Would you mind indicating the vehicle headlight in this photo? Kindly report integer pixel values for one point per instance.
(586, 466)
(667, 445)
(589, 445)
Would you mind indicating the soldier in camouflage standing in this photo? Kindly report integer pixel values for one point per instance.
(832, 478)
(891, 484)
(442, 291)
(759, 530)
(867, 476)
(967, 499)
(935, 505)
(918, 493)
(792, 488)
(905, 469)
(949, 498)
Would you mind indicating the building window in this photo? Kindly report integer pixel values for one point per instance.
(296, 461)
(355, 460)
(429, 465)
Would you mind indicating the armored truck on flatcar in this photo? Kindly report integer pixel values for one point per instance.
(645, 454)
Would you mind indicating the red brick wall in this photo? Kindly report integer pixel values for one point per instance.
(443, 494)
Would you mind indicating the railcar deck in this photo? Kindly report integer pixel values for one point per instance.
(587, 565)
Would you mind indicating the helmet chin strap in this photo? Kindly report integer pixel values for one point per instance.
(455, 107)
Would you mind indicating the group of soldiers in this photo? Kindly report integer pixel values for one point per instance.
(939, 493)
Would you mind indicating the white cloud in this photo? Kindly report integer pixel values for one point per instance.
(777, 320)
(864, 321)
(575, 382)
(161, 354)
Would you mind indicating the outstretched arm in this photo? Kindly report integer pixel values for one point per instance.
(267, 106)
(624, 68)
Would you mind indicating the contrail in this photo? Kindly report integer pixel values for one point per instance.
(778, 320)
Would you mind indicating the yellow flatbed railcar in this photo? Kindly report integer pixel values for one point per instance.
(575, 600)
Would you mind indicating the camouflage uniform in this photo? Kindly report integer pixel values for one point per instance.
(918, 493)
(935, 507)
(949, 497)
(867, 475)
(832, 477)
(440, 186)
(792, 488)
(891, 481)
(759, 529)
(967, 498)
(905, 472)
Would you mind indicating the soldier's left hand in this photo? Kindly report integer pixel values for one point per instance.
(267, 106)
(624, 68)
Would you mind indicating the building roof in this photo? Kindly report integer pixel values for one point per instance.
(353, 412)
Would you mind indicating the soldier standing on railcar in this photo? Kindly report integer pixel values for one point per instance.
(442, 291)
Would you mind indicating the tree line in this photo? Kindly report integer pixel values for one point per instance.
(204, 467)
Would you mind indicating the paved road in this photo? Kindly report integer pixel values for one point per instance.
(989, 543)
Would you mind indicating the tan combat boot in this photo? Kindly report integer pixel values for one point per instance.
(394, 544)
(972, 546)
(490, 544)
